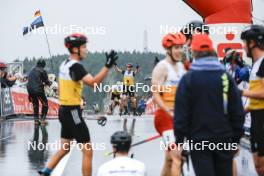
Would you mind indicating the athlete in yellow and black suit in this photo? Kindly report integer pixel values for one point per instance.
(72, 76)
(70, 100)
(128, 79)
(256, 108)
(253, 38)
(115, 95)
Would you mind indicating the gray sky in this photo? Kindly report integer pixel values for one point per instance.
(119, 23)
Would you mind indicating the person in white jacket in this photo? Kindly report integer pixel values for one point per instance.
(122, 165)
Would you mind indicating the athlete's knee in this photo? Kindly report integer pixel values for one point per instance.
(87, 149)
(259, 165)
(65, 146)
(64, 151)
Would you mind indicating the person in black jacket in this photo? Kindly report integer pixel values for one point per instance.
(208, 112)
(37, 79)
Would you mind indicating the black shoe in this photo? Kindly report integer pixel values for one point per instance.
(43, 174)
(36, 122)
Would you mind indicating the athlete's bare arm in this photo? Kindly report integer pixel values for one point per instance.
(92, 81)
(255, 94)
(137, 70)
(117, 69)
(159, 75)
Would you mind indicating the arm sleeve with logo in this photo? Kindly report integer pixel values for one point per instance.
(77, 72)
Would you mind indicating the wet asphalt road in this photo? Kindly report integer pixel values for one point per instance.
(17, 156)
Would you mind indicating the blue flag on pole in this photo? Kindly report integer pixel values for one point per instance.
(34, 25)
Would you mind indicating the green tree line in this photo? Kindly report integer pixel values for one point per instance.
(94, 62)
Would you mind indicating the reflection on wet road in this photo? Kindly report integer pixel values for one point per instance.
(18, 138)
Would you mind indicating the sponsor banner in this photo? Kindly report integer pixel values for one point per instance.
(228, 36)
(6, 102)
(23, 106)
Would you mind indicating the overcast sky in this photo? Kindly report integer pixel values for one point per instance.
(117, 24)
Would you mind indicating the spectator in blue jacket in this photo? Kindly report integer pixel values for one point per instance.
(208, 112)
(141, 106)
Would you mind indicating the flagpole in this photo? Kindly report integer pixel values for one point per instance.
(47, 40)
(49, 49)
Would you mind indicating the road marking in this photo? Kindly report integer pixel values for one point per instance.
(58, 171)
(6, 137)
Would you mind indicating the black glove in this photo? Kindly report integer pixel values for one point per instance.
(48, 83)
(111, 59)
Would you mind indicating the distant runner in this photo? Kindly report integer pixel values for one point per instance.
(129, 83)
(116, 92)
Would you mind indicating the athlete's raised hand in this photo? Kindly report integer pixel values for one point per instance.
(111, 58)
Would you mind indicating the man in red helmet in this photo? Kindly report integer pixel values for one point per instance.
(165, 78)
(72, 75)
